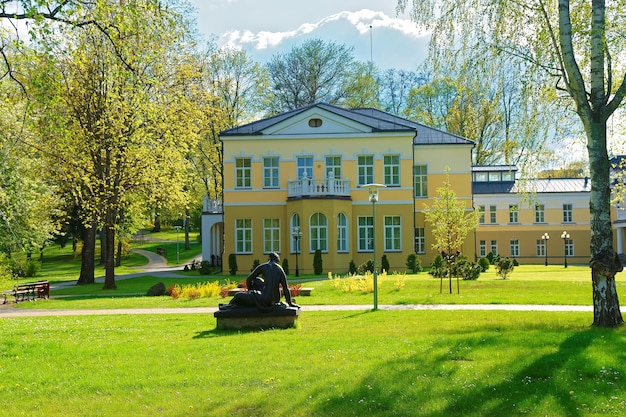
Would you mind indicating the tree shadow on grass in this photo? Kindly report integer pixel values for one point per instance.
(405, 387)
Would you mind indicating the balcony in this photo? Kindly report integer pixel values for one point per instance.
(312, 187)
(212, 205)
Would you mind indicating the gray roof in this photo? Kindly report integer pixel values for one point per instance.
(492, 168)
(542, 185)
(377, 120)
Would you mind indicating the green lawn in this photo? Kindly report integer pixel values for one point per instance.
(385, 363)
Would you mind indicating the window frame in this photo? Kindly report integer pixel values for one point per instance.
(243, 236)
(392, 233)
(243, 173)
(391, 170)
(271, 173)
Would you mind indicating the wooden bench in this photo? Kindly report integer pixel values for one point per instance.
(30, 291)
(251, 318)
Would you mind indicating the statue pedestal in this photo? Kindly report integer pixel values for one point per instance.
(251, 318)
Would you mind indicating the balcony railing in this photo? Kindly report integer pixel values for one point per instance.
(212, 205)
(312, 187)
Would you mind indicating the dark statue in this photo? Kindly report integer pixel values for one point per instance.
(264, 288)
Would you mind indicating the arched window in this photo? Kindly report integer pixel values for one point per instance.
(318, 232)
(342, 233)
(296, 239)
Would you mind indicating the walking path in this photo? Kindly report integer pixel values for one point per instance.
(157, 266)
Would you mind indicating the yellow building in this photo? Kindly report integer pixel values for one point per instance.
(293, 183)
(539, 221)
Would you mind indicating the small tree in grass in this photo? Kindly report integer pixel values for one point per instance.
(318, 265)
(413, 264)
(384, 264)
(232, 264)
(451, 222)
(504, 267)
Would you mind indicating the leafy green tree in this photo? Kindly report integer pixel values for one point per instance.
(450, 222)
(577, 46)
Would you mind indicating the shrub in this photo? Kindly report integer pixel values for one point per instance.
(232, 264)
(205, 268)
(286, 266)
(438, 268)
(295, 289)
(318, 265)
(413, 264)
(504, 267)
(484, 264)
(400, 280)
(384, 264)
(470, 271)
(255, 263)
(352, 268)
(365, 267)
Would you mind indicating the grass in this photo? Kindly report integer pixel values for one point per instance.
(385, 363)
(335, 363)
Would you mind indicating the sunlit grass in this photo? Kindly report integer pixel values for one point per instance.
(386, 363)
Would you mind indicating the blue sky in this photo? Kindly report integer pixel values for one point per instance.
(266, 27)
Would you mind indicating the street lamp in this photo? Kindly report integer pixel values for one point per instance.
(565, 237)
(177, 252)
(297, 235)
(545, 238)
(373, 191)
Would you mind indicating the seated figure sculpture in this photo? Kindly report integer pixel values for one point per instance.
(264, 293)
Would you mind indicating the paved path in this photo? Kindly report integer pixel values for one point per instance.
(157, 266)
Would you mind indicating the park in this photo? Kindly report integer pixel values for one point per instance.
(443, 358)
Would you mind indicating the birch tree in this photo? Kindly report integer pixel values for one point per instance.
(577, 46)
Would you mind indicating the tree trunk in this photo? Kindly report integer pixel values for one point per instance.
(88, 254)
(605, 262)
(109, 262)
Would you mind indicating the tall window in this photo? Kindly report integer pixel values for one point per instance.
(481, 214)
(482, 248)
(365, 169)
(541, 247)
(365, 233)
(333, 167)
(305, 166)
(540, 215)
(271, 235)
(392, 233)
(342, 233)
(295, 242)
(513, 213)
(568, 213)
(391, 170)
(420, 177)
(243, 173)
(514, 248)
(270, 172)
(420, 240)
(493, 215)
(243, 235)
(318, 231)
(569, 247)
(494, 247)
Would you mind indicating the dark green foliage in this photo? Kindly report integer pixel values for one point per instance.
(205, 268)
(505, 267)
(367, 266)
(515, 263)
(438, 268)
(484, 264)
(413, 264)
(232, 264)
(493, 259)
(255, 263)
(384, 264)
(318, 265)
(286, 266)
(352, 268)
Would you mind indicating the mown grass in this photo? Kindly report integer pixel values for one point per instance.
(385, 363)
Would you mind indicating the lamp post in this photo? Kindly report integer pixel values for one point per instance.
(297, 235)
(373, 197)
(177, 252)
(545, 238)
(565, 236)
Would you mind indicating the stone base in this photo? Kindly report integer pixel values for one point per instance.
(251, 318)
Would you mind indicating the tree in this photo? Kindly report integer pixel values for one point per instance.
(578, 46)
(119, 127)
(451, 223)
(315, 71)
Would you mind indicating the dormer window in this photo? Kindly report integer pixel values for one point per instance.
(315, 122)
